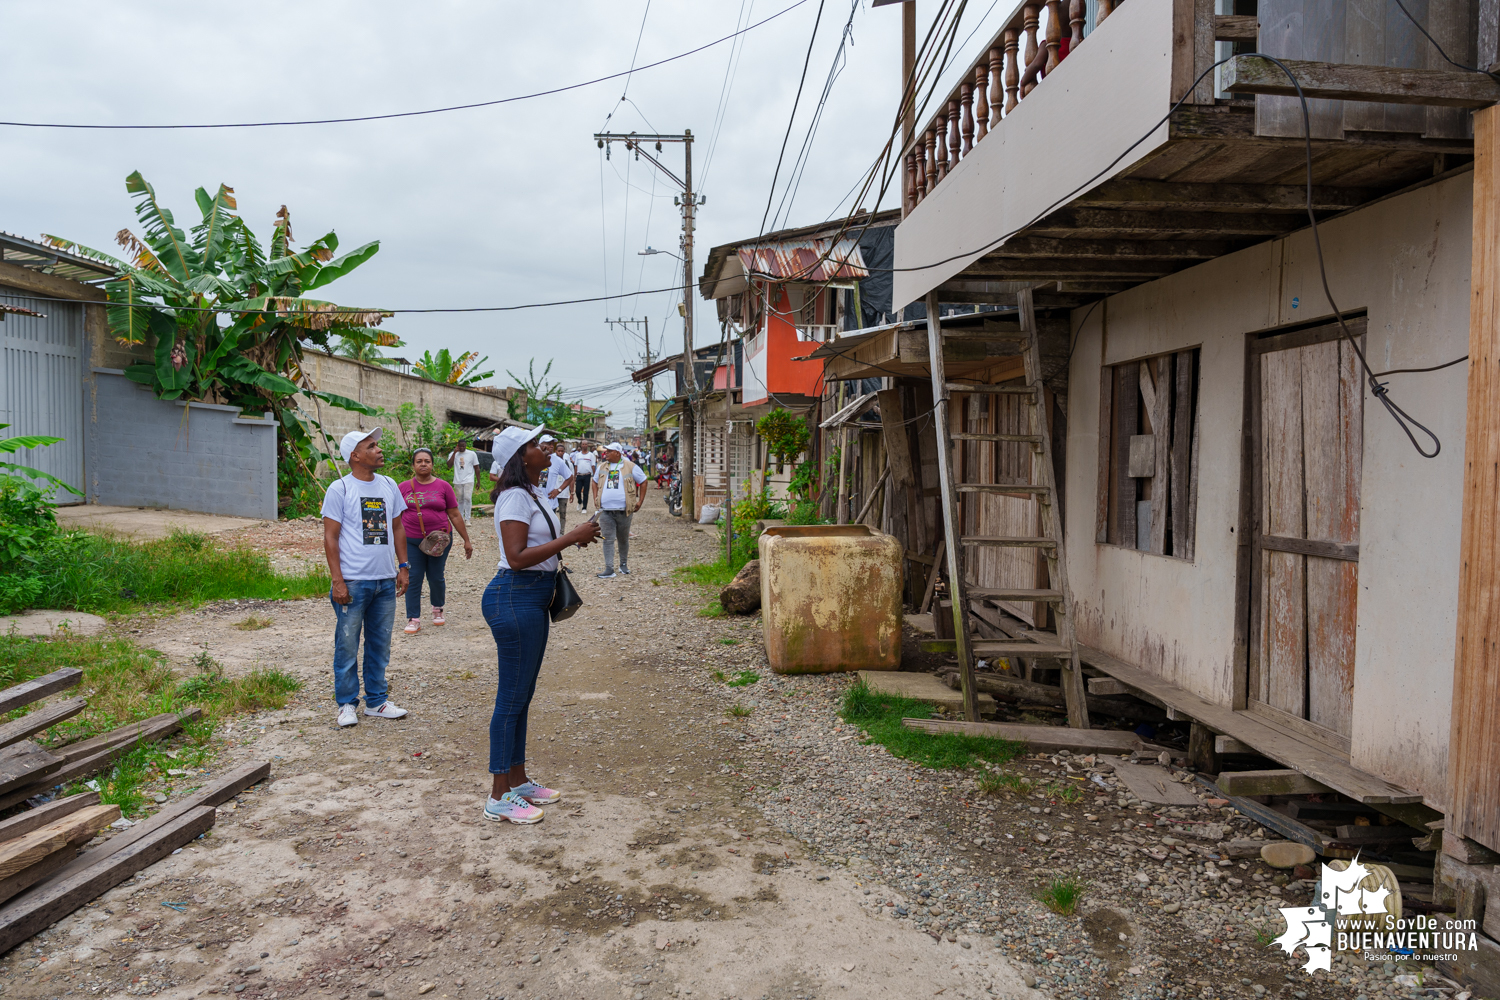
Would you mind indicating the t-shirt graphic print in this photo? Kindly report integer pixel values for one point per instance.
(375, 519)
(612, 478)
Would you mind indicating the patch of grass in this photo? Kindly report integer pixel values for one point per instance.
(715, 574)
(252, 622)
(1061, 895)
(991, 783)
(744, 679)
(713, 609)
(740, 711)
(1263, 938)
(880, 716)
(1063, 792)
(728, 642)
(101, 574)
(719, 676)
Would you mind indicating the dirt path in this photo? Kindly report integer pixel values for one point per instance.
(363, 868)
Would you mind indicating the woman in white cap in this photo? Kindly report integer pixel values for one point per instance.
(515, 606)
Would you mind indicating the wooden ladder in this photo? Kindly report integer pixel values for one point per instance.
(1061, 644)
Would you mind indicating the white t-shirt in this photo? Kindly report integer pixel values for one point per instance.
(558, 472)
(514, 505)
(611, 491)
(367, 513)
(464, 463)
(583, 462)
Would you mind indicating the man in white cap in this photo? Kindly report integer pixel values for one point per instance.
(464, 462)
(366, 551)
(582, 461)
(614, 482)
(560, 476)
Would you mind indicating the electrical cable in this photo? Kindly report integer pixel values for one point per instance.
(428, 111)
(1446, 58)
(792, 119)
(1418, 371)
(721, 108)
(353, 310)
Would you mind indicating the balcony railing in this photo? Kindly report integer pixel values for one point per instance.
(1015, 64)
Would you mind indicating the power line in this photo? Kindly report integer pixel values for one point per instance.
(353, 310)
(722, 107)
(416, 114)
(797, 100)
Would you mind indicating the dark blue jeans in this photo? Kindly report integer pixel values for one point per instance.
(515, 607)
(371, 609)
(431, 567)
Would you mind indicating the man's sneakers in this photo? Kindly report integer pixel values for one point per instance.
(413, 626)
(624, 569)
(608, 574)
(437, 617)
(513, 807)
(386, 711)
(348, 716)
(536, 794)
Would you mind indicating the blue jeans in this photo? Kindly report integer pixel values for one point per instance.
(371, 607)
(515, 606)
(432, 568)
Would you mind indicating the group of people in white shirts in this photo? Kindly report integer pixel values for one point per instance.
(610, 475)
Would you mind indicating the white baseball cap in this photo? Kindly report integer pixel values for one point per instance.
(511, 440)
(352, 440)
(615, 446)
(547, 439)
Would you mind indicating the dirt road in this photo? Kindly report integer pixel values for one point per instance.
(364, 869)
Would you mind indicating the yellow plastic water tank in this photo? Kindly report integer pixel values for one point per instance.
(830, 598)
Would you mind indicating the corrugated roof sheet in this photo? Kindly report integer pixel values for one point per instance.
(805, 260)
(49, 260)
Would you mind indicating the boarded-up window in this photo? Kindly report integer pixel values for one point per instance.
(1148, 454)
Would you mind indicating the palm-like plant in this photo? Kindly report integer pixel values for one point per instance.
(227, 316)
(444, 367)
(365, 345)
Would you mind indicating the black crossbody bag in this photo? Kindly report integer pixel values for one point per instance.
(565, 599)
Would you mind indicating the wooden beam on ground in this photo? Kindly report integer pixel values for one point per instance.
(1269, 783)
(93, 764)
(21, 854)
(43, 905)
(34, 819)
(146, 730)
(1015, 689)
(22, 764)
(215, 793)
(1042, 738)
(38, 688)
(43, 718)
(1135, 193)
(1228, 744)
(1248, 74)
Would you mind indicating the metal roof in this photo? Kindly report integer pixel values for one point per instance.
(725, 269)
(805, 260)
(48, 260)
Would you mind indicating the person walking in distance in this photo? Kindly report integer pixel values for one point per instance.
(583, 473)
(619, 490)
(560, 476)
(428, 496)
(515, 608)
(463, 462)
(366, 550)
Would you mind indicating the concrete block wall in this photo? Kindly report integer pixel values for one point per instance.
(141, 451)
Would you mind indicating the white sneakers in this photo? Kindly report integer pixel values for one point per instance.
(349, 715)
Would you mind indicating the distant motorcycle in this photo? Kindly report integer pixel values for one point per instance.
(674, 494)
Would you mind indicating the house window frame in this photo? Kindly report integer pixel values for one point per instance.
(1123, 416)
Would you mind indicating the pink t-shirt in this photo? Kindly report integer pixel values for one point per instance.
(427, 506)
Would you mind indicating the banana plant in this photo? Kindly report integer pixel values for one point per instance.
(14, 470)
(227, 319)
(444, 367)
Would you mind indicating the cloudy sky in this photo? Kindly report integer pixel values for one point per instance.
(493, 206)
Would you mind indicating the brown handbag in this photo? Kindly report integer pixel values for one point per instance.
(434, 543)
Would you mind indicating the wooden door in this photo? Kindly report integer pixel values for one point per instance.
(1306, 425)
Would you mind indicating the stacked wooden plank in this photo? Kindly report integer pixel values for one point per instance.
(44, 872)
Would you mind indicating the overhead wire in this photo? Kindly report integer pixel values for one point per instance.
(415, 114)
(791, 119)
(721, 109)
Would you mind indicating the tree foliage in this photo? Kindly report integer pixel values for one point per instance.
(444, 367)
(785, 434)
(225, 316)
(365, 345)
(544, 404)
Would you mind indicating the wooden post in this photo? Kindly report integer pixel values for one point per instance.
(957, 589)
(843, 503)
(1474, 743)
(1201, 753)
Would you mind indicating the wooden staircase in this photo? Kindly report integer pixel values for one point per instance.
(1062, 643)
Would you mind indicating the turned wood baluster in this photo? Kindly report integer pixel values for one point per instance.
(1054, 35)
(966, 122)
(997, 84)
(933, 174)
(1106, 7)
(1030, 15)
(955, 143)
(909, 181)
(920, 156)
(1077, 14)
(1012, 70)
(981, 101)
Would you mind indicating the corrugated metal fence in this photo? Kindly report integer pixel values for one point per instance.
(41, 383)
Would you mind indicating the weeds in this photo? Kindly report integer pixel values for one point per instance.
(740, 711)
(715, 574)
(1061, 895)
(1063, 792)
(729, 642)
(713, 609)
(719, 676)
(744, 679)
(1263, 938)
(991, 783)
(253, 622)
(880, 716)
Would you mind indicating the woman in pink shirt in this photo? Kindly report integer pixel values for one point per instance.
(431, 505)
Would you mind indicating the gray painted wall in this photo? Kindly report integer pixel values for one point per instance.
(148, 452)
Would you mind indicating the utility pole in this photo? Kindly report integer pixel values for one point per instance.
(908, 85)
(645, 359)
(688, 202)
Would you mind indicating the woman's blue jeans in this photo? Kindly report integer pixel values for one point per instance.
(371, 610)
(431, 568)
(515, 607)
